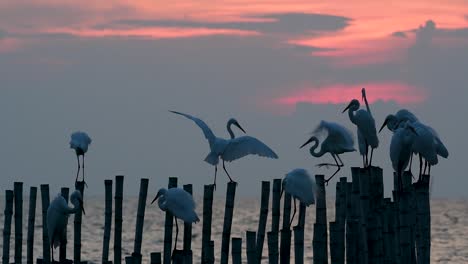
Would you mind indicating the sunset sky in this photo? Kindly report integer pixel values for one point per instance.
(114, 68)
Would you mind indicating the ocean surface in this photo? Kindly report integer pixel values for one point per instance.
(449, 229)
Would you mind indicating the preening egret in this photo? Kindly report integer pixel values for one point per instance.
(57, 217)
(366, 131)
(80, 142)
(301, 186)
(230, 149)
(338, 141)
(401, 149)
(179, 203)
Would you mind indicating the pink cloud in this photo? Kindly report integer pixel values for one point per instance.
(343, 93)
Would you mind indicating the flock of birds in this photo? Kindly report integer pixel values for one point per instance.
(410, 137)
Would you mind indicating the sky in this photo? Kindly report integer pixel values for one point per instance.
(115, 68)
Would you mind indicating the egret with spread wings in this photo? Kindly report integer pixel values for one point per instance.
(230, 149)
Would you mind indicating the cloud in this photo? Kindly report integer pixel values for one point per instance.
(399, 34)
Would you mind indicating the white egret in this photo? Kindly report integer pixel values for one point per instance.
(80, 142)
(366, 131)
(301, 186)
(230, 149)
(401, 149)
(179, 203)
(57, 217)
(338, 141)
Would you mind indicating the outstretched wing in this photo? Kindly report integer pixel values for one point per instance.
(204, 127)
(243, 146)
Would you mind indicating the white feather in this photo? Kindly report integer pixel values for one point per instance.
(179, 202)
(300, 185)
(80, 141)
(246, 145)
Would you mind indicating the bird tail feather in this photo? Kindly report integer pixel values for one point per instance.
(212, 158)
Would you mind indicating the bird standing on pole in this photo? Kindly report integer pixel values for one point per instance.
(80, 142)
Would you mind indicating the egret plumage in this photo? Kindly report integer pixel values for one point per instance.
(301, 186)
(366, 131)
(80, 142)
(401, 149)
(179, 203)
(338, 140)
(57, 217)
(230, 149)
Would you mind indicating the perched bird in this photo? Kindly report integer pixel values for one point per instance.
(57, 217)
(338, 141)
(301, 186)
(401, 149)
(392, 121)
(179, 203)
(80, 142)
(230, 149)
(366, 131)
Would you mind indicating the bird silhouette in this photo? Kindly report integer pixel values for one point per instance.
(301, 186)
(80, 142)
(179, 203)
(230, 149)
(57, 218)
(366, 131)
(401, 147)
(338, 140)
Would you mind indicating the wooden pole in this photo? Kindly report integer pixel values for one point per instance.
(275, 209)
(334, 247)
(107, 221)
(207, 217)
(18, 196)
(45, 235)
(364, 205)
(424, 219)
(168, 226)
(140, 220)
(155, 258)
(236, 250)
(119, 181)
(262, 219)
(351, 226)
(210, 253)
(388, 233)
(63, 244)
(77, 227)
(340, 219)
(251, 250)
(298, 244)
(7, 226)
(406, 254)
(320, 240)
(285, 244)
(31, 223)
(396, 226)
(228, 212)
(188, 226)
(273, 253)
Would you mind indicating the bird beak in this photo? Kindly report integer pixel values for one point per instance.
(239, 126)
(308, 141)
(384, 124)
(346, 108)
(155, 198)
(363, 92)
(82, 207)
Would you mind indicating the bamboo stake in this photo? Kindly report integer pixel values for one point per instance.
(7, 225)
(140, 220)
(334, 248)
(298, 244)
(45, 235)
(210, 253)
(340, 218)
(396, 226)
(168, 226)
(207, 217)
(275, 210)
(77, 227)
(263, 218)
(320, 241)
(285, 244)
(236, 250)
(155, 258)
(364, 182)
(351, 226)
(424, 219)
(356, 214)
(251, 250)
(119, 181)
(228, 212)
(63, 243)
(31, 222)
(188, 226)
(107, 220)
(18, 196)
(273, 253)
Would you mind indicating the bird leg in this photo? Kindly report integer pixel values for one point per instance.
(224, 167)
(425, 166)
(429, 169)
(420, 167)
(371, 154)
(216, 171)
(410, 162)
(177, 234)
(82, 167)
(367, 155)
(78, 172)
(52, 251)
(294, 213)
(337, 170)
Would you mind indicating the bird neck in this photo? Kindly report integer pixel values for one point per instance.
(352, 115)
(229, 129)
(367, 104)
(314, 147)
